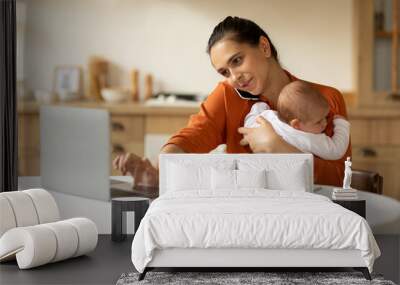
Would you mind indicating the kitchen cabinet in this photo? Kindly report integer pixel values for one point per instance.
(375, 112)
(376, 145)
(376, 53)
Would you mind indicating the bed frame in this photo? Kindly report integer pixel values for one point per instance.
(249, 259)
(245, 259)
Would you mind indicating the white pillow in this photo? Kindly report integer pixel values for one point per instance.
(228, 179)
(223, 179)
(281, 174)
(183, 178)
(251, 178)
(193, 175)
(294, 180)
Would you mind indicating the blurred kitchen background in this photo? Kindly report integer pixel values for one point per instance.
(145, 62)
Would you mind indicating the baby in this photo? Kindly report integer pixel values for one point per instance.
(301, 120)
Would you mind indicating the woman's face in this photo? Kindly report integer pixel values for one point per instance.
(244, 66)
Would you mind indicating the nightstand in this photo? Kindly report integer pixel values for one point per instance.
(120, 206)
(357, 206)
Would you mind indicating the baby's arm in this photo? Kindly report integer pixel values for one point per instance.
(332, 148)
(256, 110)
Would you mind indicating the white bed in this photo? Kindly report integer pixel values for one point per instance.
(215, 211)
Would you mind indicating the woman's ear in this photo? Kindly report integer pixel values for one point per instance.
(295, 123)
(265, 46)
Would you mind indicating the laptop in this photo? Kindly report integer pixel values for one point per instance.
(75, 153)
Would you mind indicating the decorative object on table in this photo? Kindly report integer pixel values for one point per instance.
(67, 82)
(120, 206)
(32, 233)
(114, 95)
(346, 192)
(347, 174)
(98, 76)
(148, 82)
(248, 278)
(135, 85)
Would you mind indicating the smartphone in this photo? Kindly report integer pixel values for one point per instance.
(246, 95)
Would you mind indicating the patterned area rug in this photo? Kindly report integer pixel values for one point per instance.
(231, 278)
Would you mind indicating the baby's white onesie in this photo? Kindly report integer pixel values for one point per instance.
(329, 148)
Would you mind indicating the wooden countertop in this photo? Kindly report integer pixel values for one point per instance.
(126, 108)
(130, 108)
(373, 113)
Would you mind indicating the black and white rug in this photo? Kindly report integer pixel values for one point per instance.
(243, 278)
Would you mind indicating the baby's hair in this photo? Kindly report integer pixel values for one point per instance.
(239, 30)
(298, 100)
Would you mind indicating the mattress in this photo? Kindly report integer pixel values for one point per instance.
(250, 219)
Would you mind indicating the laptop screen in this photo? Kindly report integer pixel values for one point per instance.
(75, 151)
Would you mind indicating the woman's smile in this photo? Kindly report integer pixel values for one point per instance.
(247, 85)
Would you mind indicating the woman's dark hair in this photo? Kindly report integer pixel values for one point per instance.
(241, 31)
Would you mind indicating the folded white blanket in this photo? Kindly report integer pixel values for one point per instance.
(250, 219)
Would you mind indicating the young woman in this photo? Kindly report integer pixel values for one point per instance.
(245, 56)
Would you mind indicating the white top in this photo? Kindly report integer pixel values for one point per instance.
(329, 148)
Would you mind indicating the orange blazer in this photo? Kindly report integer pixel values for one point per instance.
(223, 112)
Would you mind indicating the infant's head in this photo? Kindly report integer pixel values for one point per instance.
(303, 107)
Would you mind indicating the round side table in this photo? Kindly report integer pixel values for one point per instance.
(119, 207)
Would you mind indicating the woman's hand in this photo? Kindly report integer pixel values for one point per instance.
(264, 139)
(141, 169)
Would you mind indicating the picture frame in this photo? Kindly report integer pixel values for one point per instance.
(67, 83)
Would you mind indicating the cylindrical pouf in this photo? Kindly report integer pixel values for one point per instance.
(34, 245)
(46, 206)
(7, 218)
(67, 239)
(23, 208)
(40, 244)
(87, 234)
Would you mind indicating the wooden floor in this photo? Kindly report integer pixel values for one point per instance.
(111, 259)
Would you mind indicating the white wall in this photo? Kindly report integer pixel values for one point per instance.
(168, 38)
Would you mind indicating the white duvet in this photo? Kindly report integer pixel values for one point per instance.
(250, 219)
